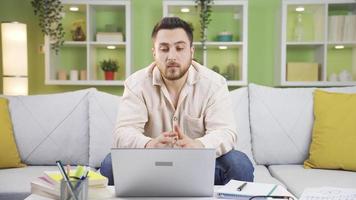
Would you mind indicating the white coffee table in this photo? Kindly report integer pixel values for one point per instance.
(108, 193)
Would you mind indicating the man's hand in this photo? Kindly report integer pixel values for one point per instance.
(165, 140)
(186, 142)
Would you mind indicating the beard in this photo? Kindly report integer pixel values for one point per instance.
(174, 71)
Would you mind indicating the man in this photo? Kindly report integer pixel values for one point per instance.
(177, 103)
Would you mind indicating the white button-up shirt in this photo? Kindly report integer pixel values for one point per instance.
(203, 111)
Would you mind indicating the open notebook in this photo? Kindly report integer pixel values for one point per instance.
(230, 190)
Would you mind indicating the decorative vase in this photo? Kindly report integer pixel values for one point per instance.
(73, 75)
(299, 28)
(83, 74)
(345, 75)
(109, 75)
(62, 74)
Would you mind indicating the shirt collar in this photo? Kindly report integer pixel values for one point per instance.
(193, 76)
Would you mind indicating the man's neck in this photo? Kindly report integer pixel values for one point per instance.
(175, 87)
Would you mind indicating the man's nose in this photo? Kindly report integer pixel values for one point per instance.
(172, 55)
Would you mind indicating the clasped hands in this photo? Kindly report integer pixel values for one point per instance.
(174, 139)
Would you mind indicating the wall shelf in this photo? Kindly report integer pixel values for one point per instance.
(82, 58)
(316, 32)
(229, 58)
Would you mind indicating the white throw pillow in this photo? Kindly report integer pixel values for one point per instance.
(51, 127)
(282, 122)
(103, 109)
(239, 99)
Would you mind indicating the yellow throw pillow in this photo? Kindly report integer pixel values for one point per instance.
(9, 156)
(334, 134)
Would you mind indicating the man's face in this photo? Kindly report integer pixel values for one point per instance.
(172, 53)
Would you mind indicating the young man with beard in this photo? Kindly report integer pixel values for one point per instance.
(177, 103)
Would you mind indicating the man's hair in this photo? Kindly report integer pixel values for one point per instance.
(172, 23)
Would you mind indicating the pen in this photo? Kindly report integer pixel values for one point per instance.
(65, 176)
(241, 186)
(272, 197)
(68, 170)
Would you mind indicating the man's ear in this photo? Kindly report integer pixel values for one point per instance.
(153, 52)
(192, 50)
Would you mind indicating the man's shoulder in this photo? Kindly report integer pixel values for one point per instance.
(138, 79)
(210, 77)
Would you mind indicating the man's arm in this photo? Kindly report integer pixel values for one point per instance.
(219, 123)
(131, 120)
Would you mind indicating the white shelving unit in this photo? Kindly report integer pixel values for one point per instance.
(309, 34)
(86, 55)
(227, 16)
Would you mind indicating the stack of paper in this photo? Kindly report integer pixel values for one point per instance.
(95, 179)
(42, 186)
(230, 190)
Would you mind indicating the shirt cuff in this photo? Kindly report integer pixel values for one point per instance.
(142, 141)
(206, 142)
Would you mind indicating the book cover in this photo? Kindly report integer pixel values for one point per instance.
(95, 178)
(230, 190)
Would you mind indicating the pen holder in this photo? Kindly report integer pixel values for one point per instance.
(80, 189)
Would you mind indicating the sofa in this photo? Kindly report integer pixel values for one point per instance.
(274, 127)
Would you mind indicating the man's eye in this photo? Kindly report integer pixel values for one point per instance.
(164, 49)
(180, 48)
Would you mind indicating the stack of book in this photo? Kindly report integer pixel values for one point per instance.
(109, 37)
(48, 185)
(342, 28)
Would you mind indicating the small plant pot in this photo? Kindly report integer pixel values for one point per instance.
(109, 75)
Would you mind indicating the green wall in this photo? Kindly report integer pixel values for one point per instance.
(145, 13)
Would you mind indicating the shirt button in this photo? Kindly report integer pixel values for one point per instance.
(175, 118)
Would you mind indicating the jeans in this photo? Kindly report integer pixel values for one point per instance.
(232, 165)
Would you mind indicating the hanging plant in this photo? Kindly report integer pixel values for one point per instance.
(49, 13)
(204, 18)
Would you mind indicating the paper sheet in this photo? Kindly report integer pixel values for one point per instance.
(329, 193)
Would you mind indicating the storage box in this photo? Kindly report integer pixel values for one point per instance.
(109, 37)
(302, 71)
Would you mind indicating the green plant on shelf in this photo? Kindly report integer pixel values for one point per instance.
(49, 14)
(109, 65)
(205, 11)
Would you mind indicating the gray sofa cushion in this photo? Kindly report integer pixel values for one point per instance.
(296, 178)
(15, 182)
(51, 127)
(239, 99)
(281, 123)
(103, 109)
(262, 175)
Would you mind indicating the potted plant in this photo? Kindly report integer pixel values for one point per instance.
(109, 67)
(50, 15)
(204, 18)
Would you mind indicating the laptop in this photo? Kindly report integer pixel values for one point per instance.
(163, 172)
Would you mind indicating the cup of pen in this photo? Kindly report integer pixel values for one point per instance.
(80, 189)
